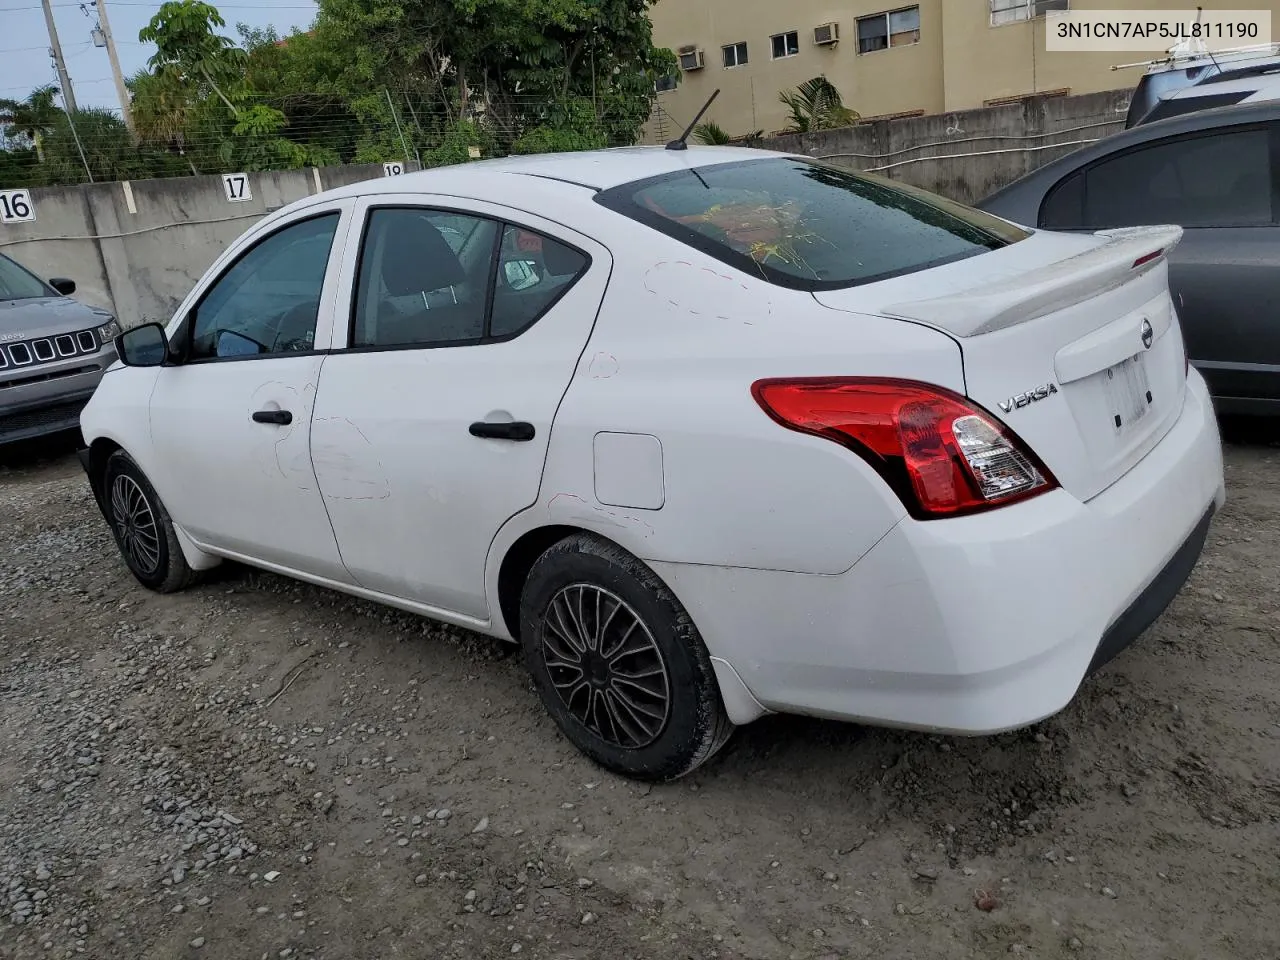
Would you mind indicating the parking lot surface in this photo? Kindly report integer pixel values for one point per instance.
(260, 769)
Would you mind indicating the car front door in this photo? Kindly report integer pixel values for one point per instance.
(432, 422)
(230, 419)
(1222, 187)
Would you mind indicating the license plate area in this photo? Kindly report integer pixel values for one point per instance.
(1128, 390)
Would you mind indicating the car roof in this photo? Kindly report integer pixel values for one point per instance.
(579, 176)
(595, 169)
(1253, 83)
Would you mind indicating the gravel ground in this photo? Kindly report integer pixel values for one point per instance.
(261, 769)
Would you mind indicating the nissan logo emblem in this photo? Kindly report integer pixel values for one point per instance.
(1148, 335)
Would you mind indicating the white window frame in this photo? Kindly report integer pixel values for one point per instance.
(1019, 11)
(784, 36)
(724, 59)
(888, 32)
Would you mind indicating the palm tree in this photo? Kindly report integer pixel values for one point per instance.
(711, 134)
(33, 117)
(162, 111)
(816, 105)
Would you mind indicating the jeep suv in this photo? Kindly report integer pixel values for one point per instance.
(53, 352)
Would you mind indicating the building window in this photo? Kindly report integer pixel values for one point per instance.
(897, 28)
(785, 45)
(1011, 11)
(735, 54)
(664, 83)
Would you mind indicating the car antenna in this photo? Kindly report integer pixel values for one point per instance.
(679, 142)
(1212, 58)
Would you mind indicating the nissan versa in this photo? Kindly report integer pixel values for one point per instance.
(53, 352)
(709, 432)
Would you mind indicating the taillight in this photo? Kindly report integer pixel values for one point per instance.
(941, 454)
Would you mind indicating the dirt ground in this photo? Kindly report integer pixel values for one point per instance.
(262, 769)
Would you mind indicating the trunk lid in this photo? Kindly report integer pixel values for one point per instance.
(1071, 341)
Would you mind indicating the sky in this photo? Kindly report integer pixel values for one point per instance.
(24, 41)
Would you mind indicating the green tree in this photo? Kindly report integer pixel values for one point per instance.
(188, 51)
(33, 117)
(817, 105)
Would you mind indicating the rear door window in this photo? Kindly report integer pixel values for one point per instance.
(803, 224)
(1216, 179)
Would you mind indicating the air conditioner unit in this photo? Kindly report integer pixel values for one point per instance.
(826, 34)
(691, 60)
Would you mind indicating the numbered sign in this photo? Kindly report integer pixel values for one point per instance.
(16, 206)
(236, 186)
(393, 169)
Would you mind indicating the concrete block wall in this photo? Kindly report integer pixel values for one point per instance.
(971, 153)
(137, 248)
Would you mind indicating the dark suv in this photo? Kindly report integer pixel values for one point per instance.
(53, 352)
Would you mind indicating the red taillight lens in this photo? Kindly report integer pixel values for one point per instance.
(942, 455)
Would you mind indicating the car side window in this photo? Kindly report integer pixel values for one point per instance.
(268, 301)
(533, 272)
(430, 278)
(1063, 208)
(1219, 179)
(414, 288)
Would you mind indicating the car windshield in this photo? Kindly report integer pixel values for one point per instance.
(17, 284)
(806, 225)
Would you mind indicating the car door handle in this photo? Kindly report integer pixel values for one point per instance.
(519, 430)
(281, 417)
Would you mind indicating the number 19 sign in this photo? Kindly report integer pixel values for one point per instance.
(236, 187)
(16, 206)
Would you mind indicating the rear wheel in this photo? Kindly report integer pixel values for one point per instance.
(142, 527)
(618, 662)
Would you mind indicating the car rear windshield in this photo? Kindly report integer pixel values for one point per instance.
(807, 225)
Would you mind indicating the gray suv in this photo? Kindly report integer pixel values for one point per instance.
(53, 352)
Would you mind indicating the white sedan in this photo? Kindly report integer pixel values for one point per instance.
(711, 433)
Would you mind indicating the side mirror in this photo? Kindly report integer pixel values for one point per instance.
(63, 285)
(143, 346)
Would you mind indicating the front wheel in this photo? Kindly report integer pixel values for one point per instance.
(618, 662)
(142, 528)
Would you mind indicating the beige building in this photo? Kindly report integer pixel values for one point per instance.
(886, 59)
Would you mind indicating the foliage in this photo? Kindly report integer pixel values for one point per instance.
(189, 52)
(434, 80)
(817, 105)
(31, 118)
(711, 134)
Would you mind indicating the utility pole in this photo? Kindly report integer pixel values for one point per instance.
(121, 90)
(55, 48)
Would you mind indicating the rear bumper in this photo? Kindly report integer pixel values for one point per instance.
(976, 624)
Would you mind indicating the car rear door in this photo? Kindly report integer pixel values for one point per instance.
(466, 322)
(1221, 186)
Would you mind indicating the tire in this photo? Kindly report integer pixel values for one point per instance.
(643, 700)
(142, 527)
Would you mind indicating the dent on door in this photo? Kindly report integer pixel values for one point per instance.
(281, 450)
(346, 464)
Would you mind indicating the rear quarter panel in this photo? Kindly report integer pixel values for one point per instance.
(679, 341)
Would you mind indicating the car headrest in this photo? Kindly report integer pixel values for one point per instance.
(415, 257)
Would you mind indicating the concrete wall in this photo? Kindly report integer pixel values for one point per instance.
(968, 154)
(137, 248)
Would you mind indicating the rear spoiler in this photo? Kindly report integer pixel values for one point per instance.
(1128, 252)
